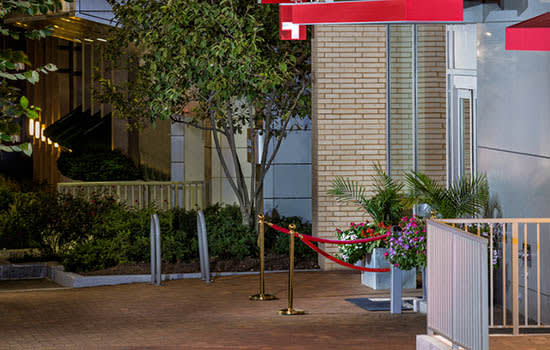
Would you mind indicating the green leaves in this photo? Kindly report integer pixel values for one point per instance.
(15, 65)
(387, 205)
(468, 197)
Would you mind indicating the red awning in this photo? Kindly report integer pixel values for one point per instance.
(533, 34)
(295, 15)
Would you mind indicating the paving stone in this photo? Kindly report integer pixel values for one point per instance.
(190, 314)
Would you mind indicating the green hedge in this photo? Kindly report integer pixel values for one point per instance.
(88, 236)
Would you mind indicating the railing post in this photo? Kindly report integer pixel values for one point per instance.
(290, 310)
(396, 290)
(515, 279)
(262, 295)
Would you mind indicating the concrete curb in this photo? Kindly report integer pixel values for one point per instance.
(73, 280)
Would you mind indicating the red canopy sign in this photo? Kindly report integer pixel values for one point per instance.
(293, 16)
(533, 34)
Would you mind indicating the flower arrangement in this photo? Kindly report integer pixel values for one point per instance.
(351, 253)
(408, 245)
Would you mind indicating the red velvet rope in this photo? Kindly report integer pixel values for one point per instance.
(338, 261)
(331, 241)
(306, 239)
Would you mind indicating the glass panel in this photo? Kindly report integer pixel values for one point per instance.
(431, 101)
(465, 115)
(401, 99)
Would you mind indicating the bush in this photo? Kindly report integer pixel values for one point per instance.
(278, 242)
(99, 234)
(98, 166)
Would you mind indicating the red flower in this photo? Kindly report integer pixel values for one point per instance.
(363, 233)
(92, 213)
(381, 225)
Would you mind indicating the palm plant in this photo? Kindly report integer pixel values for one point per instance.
(388, 204)
(467, 197)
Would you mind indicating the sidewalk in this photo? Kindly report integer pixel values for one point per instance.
(189, 314)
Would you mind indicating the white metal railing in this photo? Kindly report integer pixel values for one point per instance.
(457, 286)
(518, 287)
(141, 194)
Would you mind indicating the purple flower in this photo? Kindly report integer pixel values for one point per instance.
(407, 247)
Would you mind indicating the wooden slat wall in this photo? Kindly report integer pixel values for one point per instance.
(52, 94)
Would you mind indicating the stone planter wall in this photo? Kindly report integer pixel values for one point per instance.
(382, 280)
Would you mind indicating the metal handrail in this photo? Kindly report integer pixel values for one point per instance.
(511, 226)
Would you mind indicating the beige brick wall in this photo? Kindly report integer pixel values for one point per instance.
(349, 118)
(349, 112)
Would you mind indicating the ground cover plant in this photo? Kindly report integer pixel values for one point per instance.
(102, 234)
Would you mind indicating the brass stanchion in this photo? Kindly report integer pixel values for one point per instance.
(262, 295)
(290, 310)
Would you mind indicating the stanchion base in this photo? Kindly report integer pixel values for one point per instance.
(289, 312)
(262, 297)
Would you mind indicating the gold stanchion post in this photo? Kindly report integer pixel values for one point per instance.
(262, 295)
(291, 310)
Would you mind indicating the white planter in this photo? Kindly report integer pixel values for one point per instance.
(382, 280)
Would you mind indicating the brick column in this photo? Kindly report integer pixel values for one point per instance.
(349, 118)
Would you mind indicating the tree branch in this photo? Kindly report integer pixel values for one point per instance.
(196, 125)
(222, 160)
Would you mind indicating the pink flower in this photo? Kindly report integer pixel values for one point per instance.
(395, 265)
(404, 218)
(352, 224)
(338, 230)
(386, 254)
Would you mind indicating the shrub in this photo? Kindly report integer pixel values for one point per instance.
(101, 233)
(98, 166)
(280, 243)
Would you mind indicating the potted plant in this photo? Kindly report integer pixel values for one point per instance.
(386, 207)
(407, 246)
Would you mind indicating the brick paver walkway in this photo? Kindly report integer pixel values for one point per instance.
(189, 314)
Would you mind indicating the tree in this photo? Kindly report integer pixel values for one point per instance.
(226, 57)
(15, 65)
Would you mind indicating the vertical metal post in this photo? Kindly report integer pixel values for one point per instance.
(262, 295)
(515, 279)
(203, 247)
(538, 274)
(491, 278)
(504, 311)
(156, 276)
(153, 251)
(159, 254)
(395, 293)
(290, 310)
(525, 273)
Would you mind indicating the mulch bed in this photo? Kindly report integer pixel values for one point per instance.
(272, 262)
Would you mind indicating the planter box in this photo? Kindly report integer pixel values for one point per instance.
(382, 280)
